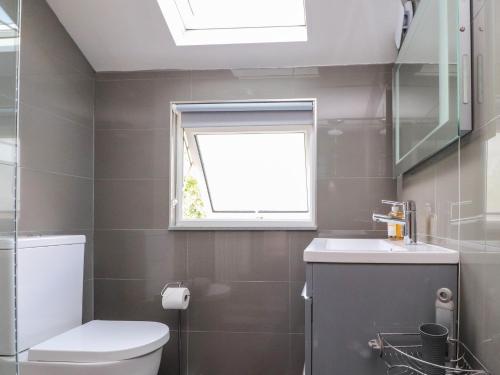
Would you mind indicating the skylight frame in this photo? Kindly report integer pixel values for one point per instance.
(184, 36)
(177, 139)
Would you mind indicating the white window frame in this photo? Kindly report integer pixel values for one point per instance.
(188, 37)
(177, 222)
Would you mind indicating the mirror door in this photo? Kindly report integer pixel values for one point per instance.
(431, 100)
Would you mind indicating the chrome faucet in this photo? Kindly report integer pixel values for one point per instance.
(409, 220)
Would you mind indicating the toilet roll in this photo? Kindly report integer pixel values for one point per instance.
(175, 298)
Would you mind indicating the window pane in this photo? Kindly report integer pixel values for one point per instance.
(255, 171)
(227, 14)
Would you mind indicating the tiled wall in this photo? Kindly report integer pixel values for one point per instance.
(55, 114)
(246, 314)
(458, 195)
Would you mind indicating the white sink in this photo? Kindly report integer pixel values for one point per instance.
(336, 250)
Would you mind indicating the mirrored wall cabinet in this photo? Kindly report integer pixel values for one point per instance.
(432, 84)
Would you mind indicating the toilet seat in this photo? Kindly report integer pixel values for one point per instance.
(102, 341)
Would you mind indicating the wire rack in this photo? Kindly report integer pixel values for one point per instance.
(402, 354)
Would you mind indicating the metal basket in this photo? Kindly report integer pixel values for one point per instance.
(402, 354)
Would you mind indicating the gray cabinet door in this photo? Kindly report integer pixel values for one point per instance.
(352, 302)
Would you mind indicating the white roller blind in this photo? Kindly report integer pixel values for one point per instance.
(195, 115)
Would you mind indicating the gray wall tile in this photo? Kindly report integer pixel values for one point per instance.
(8, 198)
(297, 318)
(448, 195)
(143, 74)
(297, 354)
(238, 306)
(210, 86)
(223, 353)
(56, 134)
(8, 81)
(132, 153)
(53, 43)
(57, 88)
(298, 241)
(131, 204)
(52, 143)
(54, 203)
(480, 282)
(420, 186)
(240, 256)
(243, 283)
(201, 254)
(143, 254)
(138, 104)
(88, 270)
(340, 142)
(88, 300)
(348, 203)
(172, 352)
(131, 299)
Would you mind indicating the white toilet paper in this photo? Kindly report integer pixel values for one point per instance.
(175, 298)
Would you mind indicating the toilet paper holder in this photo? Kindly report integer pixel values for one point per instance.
(178, 284)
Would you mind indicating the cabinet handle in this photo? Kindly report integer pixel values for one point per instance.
(304, 293)
(465, 79)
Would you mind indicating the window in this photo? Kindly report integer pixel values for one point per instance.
(196, 22)
(243, 165)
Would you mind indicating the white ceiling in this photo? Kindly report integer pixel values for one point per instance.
(127, 35)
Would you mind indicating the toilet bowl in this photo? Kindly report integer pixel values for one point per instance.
(99, 348)
(51, 339)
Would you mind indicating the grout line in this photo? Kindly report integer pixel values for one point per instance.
(130, 79)
(131, 179)
(166, 128)
(222, 281)
(53, 114)
(93, 195)
(136, 229)
(278, 333)
(356, 178)
(21, 167)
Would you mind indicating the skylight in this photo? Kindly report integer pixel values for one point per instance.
(197, 22)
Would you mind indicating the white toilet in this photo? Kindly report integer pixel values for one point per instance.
(51, 337)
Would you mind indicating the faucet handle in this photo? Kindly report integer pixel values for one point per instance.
(393, 203)
(407, 205)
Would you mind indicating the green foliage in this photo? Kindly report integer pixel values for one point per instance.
(193, 204)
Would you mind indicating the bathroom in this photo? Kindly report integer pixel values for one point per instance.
(131, 242)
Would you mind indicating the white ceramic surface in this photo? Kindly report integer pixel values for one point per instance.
(333, 250)
(7, 304)
(49, 287)
(102, 341)
(39, 241)
(144, 365)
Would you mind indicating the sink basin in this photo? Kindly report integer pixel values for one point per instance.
(336, 250)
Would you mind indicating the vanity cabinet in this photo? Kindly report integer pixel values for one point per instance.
(347, 304)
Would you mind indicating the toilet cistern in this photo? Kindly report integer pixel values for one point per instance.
(409, 219)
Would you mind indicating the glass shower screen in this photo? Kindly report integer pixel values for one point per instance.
(9, 61)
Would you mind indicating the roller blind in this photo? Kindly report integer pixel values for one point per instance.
(195, 115)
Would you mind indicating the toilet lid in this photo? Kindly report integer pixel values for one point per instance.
(102, 341)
